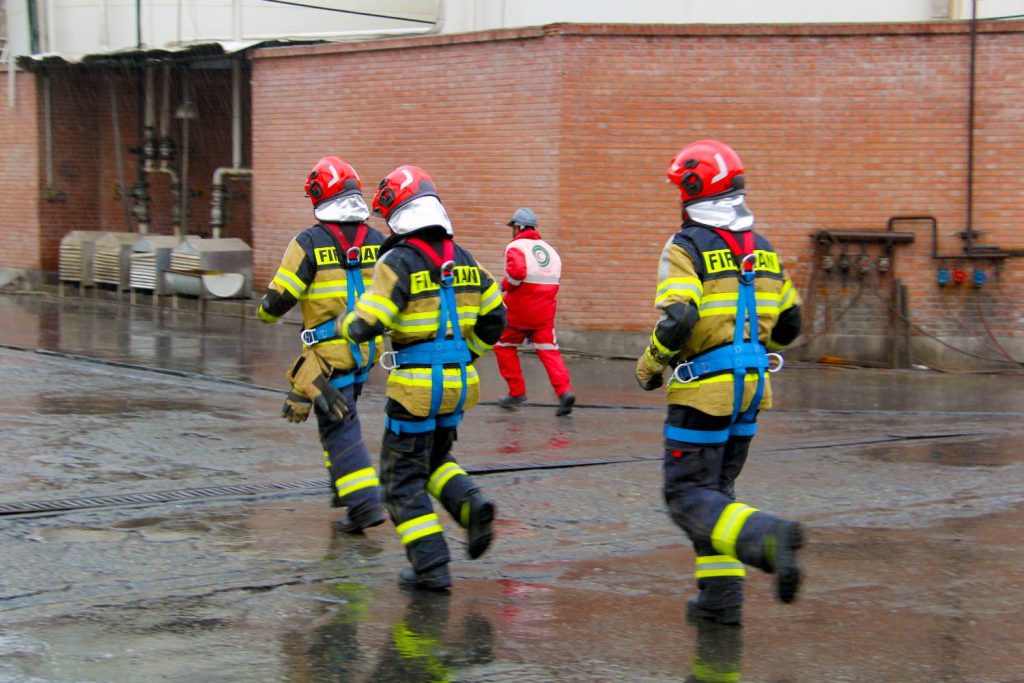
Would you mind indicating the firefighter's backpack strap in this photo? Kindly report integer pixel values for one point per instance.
(439, 351)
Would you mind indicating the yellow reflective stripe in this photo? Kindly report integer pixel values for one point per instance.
(441, 476)
(689, 288)
(419, 527)
(728, 527)
(728, 377)
(381, 308)
(343, 329)
(477, 346)
(719, 304)
(664, 351)
(787, 297)
(290, 282)
(490, 299)
(718, 565)
(421, 377)
(715, 672)
(360, 479)
(429, 320)
(328, 289)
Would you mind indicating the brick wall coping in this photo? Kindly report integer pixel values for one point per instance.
(647, 30)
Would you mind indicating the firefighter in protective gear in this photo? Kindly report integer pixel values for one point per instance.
(532, 272)
(725, 302)
(443, 310)
(325, 269)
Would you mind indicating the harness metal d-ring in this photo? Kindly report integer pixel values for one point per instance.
(779, 358)
(447, 273)
(748, 273)
(353, 256)
(308, 337)
(384, 363)
(689, 368)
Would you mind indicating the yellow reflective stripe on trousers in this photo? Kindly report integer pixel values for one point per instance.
(441, 476)
(360, 479)
(419, 527)
(718, 565)
(728, 527)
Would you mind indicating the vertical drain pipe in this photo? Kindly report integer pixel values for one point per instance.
(48, 130)
(969, 230)
(122, 190)
(218, 192)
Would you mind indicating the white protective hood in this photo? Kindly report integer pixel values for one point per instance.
(419, 213)
(729, 212)
(345, 208)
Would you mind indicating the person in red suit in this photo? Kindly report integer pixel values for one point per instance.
(532, 272)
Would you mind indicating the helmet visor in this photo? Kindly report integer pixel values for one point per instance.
(723, 212)
(419, 213)
(345, 208)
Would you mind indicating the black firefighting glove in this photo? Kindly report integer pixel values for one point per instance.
(649, 370)
(309, 380)
(296, 407)
(329, 400)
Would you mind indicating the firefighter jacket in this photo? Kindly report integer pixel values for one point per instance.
(532, 272)
(698, 295)
(405, 298)
(314, 272)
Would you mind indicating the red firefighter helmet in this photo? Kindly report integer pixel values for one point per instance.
(400, 187)
(705, 168)
(329, 178)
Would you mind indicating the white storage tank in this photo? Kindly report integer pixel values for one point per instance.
(211, 269)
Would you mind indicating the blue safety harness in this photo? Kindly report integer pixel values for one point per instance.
(329, 329)
(437, 352)
(742, 356)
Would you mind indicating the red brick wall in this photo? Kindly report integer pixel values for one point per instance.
(84, 193)
(19, 208)
(839, 127)
(481, 118)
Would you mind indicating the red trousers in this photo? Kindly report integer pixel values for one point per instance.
(507, 355)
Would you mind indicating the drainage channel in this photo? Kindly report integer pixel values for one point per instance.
(37, 507)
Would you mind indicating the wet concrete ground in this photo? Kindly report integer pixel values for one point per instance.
(910, 483)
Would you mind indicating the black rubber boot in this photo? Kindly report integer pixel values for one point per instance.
(511, 402)
(480, 532)
(354, 524)
(436, 579)
(565, 403)
(781, 546)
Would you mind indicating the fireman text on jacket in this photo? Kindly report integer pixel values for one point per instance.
(721, 260)
(464, 275)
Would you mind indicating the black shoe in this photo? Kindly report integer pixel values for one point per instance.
(479, 531)
(789, 538)
(355, 525)
(565, 403)
(511, 402)
(728, 616)
(436, 579)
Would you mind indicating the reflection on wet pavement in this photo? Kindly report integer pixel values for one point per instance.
(910, 490)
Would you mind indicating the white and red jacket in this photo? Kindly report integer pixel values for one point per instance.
(532, 271)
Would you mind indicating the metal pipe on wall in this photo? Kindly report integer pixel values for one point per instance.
(969, 229)
(218, 192)
(122, 189)
(48, 129)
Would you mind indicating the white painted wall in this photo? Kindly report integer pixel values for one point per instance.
(75, 27)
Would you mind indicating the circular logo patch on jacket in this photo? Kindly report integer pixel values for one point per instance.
(541, 254)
